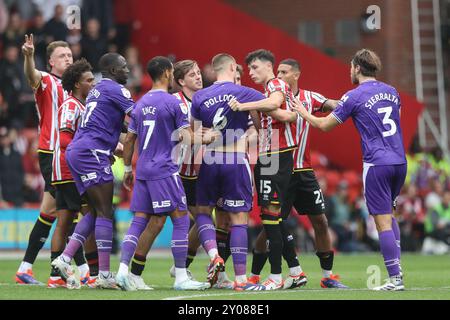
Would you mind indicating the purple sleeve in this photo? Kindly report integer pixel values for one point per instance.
(181, 114)
(122, 97)
(132, 127)
(344, 109)
(254, 95)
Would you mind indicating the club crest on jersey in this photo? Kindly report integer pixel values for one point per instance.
(184, 108)
(126, 93)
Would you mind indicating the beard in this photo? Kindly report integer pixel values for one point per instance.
(354, 79)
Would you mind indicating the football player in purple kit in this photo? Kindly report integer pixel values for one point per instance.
(375, 109)
(88, 157)
(225, 171)
(158, 118)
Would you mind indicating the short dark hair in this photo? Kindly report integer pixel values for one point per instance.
(368, 61)
(52, 47)
(261, 54)
(157, 66)
(291, 62)
(73, 74)
(107, 61)
(181, 68)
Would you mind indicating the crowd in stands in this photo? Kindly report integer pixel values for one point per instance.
(422, 208)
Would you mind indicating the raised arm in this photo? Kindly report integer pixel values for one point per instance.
(329, 105)
(31, 73)
(273, 102)
(325, 124)
(284, 115)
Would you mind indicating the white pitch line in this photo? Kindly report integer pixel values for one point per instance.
(288, 292)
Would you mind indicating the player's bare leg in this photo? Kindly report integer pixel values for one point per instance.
(37, 238)
(390, 252)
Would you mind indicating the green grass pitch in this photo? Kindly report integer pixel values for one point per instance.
(426, 277)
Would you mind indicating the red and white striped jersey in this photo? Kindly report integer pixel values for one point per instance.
(187, 156)
(48, 95)
(277, 136)
(69, 119)
(313, 102)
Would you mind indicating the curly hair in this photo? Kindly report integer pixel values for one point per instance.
(73, 74)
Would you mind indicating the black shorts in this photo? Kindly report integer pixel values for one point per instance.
(45, 164)
(189, 185)
(272, 176)
(68, 198)
(304, 194)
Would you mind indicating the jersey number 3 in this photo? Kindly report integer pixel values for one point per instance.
(388, 121)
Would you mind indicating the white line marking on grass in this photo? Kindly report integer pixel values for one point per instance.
(289, 292)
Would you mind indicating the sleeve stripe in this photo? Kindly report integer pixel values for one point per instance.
(129, 109)
(132, 131)
(336, 117)
(184, 126)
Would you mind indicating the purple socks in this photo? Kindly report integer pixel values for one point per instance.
(239, 248)
(390, 252)
(396, 230)
(131, 239)
(103, 238)
(179, 243)
(83, 229)
(206, 231)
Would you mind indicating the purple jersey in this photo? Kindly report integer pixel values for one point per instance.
(375, 109)
(102, 120)
(210, 106)
(156, 119)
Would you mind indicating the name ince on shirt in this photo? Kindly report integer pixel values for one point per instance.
(381, 96)
(218, 99)
(148, 110)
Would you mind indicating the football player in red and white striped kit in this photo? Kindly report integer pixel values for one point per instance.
(49, 95)
(77, 80)
(276, 146)
(304, 192)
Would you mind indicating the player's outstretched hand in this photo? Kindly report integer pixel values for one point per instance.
(128, 180)
(28, 46)
(234, 104)
(298, 107)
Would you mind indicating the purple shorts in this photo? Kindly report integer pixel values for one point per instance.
(89, 167)
(382, 185)
(158, 196)
(230, 179)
